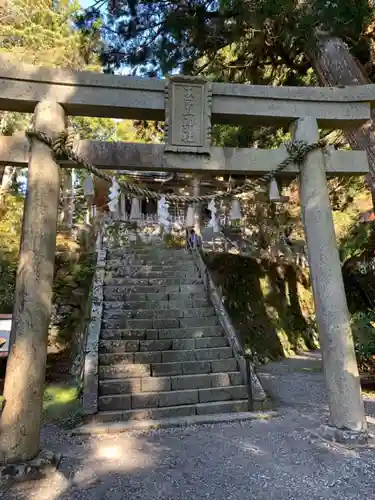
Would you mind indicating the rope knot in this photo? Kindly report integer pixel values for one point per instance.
(298, 150)
(64, 143)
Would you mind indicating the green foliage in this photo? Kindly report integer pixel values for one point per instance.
(270, 304)
(72, 281)
(363, 327)
(99, 129)
(61, 405)
(355, 241)
(8, 271)
(12, 122)
(237, 40)
(73, 271)
(11, 210)
(40, 32)
(246, 136)
(148, 131)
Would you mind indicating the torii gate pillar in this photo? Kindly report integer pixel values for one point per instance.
(24, 382)
(347, 417)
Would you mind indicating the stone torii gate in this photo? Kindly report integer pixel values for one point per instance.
(189, 106)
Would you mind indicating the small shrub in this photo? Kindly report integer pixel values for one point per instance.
(8, 271)
(363, 326)
(73, 276)
(11, 209)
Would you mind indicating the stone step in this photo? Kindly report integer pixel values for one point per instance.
(173, 411)
(151, 260)
(197, 312)
(194, 367)
(168, 333)
(158, 282)
(126, 346)
(154, 262)
(174, 383)
(172, 356)
(159, 323)
(154, 304)
(130, 290)
(105, 428)
(171, 398)
(144, 273)
(135, 247)
(129, 370)
(185, 267)
(114, 293)
(145, 252)
(222, 407)
(124, 371)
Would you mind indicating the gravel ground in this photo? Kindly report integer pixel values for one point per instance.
(278, 459)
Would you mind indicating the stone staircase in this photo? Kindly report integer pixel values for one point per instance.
(162, 352)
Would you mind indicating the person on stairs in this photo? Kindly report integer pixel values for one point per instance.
(194, 240)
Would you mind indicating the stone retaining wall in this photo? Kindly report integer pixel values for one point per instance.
(91, 364)
(214, 294)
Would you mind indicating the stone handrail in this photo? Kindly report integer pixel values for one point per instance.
(89, 371)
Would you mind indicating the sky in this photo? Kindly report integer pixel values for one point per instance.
(86, 3)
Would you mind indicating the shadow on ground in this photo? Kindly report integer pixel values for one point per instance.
(277, 459)
(280, 459)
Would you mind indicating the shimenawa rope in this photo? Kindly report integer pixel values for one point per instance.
(63, 146)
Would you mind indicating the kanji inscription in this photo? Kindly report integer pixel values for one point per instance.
(188, 110)
(187, 117)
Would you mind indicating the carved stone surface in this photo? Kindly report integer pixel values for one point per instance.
(188, 115)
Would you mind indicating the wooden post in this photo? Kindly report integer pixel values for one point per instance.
(24, 383)
(347, 418)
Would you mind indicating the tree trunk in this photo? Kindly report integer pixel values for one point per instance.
(334, 65)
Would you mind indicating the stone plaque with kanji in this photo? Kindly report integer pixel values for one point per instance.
(188, 115)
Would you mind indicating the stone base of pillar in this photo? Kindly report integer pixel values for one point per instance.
(342, 436)
(37, 468)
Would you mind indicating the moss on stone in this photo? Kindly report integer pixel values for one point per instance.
(270, 303)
